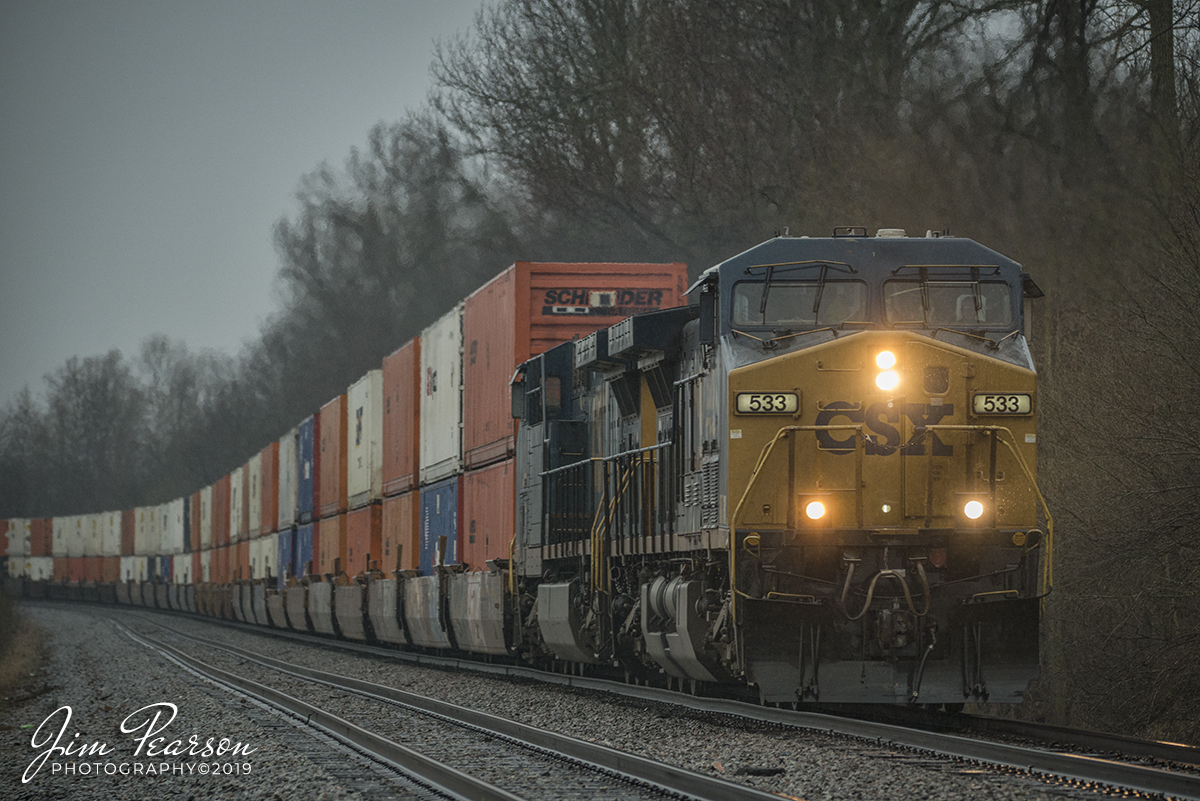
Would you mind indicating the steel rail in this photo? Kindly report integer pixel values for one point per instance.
(442, 777)
(660, 776)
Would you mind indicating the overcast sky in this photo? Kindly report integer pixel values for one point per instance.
(148, 148)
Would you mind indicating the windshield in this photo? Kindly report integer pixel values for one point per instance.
(948, 303)
(791, 305)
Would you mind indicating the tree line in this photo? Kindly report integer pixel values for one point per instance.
(1064, 133)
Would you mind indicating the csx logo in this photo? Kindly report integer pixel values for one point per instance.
(881, 420)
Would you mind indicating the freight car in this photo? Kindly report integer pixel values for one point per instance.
(818, 482)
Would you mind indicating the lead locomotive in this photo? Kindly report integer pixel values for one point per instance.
(819, 480)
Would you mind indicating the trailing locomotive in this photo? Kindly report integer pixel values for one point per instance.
(819, 480)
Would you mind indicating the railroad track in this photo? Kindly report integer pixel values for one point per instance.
(530, 763)
(1051, 764)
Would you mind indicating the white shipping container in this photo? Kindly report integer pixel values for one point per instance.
(18, 543)
(235, 505)
(261, 563)
(110, 535)
(364, 453)
(255, 493)
(206, 520)
(205, 565)
(93, 534)
(39, 568)
(173, 531)
(77, 532)
(441, 398)
(288, 478)
(181, 568)
(145, 533)
(61, 528)
(133, 568)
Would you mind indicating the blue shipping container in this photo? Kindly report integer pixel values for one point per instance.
(306, 468)
(284, 557)
(164, 569)
(440, 512)
(302, 550)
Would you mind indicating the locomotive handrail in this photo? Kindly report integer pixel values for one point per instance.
(1048, 561)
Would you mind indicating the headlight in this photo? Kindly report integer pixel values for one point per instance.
(973, 510)
(815, 510)
(886, 360)
(887, 380)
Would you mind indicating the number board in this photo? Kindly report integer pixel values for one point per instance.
(1003, 403)
(767, 402)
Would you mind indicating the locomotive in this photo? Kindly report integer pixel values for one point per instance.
(819, 480)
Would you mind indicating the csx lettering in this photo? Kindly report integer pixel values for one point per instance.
(620, 297)
(881, 420)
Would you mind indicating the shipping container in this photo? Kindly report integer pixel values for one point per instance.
(401, 522)
(333, 457)
(286, 474)
(240, 568)
(401, 419)
(187, 523)
(221, 502)
(62, 527)
(488, 514)
(91, 569)
(206, 518)
(206, 566)
(364, 548)
(266, 564)
(285, 542)
(92, 534)
(254, 496)
(221, 563)
(133, 568)
(41, 534)
(330, 546)
(75, 569)
(302, 549)
(364, 446)
(110, 541)
(174, 533)
(77, 535)
(195, 506)
(128, 532)
(308, 462)
(268, 489)
(4, 537)
(181, 569)
(237, 504)
(441, 511)
(529, 308)
(110, 569)
(146, 531)
(40, 568)
(18, 537)
(441, 398)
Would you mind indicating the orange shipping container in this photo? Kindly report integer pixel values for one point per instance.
(333, 457)
(220, 512)
(330, 546)
(62, 568)
(220, 569)
(194, 530)
(488, 512)
(269, 488)
(241, 565)
(364, 532)
(91, 568)
(402, 418)
(128, 531)
(401, 547)
(531, 307)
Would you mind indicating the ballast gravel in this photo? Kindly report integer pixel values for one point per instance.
(792, 762)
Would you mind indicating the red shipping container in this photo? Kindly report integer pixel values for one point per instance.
(402, 418)
(128, 529)
(194, 529)
(243, 530)
(75, 569)
(364, 539)
(329, 549)
(110, 569)
(41, 536)
(529, 308)
(220, 512)
(488, 514)
(334, 498)
(240, 570)
(401, 524)
(91, 568)
(61, 568)
(269, 488)
(220, 566)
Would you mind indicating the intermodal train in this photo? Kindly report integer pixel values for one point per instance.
(811, 475)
